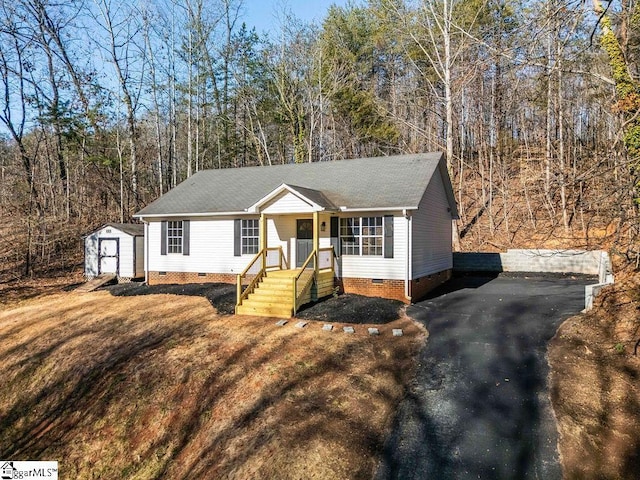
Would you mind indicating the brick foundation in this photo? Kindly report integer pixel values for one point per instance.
(421, 286)
(159, 278)
(392, 289)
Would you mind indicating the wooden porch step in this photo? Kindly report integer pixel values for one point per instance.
(270, 285)
(264, 311)
(278, 296)
(273, 295)
(266, 300)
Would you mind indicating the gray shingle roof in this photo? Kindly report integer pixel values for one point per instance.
(133, 229)
(364, 183)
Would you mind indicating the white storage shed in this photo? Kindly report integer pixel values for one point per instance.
(115, 249)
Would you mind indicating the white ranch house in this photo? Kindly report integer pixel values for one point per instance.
(288, 234)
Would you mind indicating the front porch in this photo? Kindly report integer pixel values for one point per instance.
(280, 293)
(290, 269)
(268, 287)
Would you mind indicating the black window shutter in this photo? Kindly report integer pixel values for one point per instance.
(163, 238)
(335, 238)
(237, 233)
(186, 240)
(388, 236)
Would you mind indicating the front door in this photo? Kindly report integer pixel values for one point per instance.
(304, 240)
(108, 249)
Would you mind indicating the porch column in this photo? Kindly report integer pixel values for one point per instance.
(316, 237)
(263, 231)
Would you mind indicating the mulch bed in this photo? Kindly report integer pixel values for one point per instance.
(351, 308)
(347, 308)
(221, 295)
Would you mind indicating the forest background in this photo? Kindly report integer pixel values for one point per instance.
(105, 105)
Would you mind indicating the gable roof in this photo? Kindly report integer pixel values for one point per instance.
(380, 183)
(133, 229)
(314, 197)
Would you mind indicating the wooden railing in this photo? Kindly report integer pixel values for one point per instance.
(274, 259)
(326, 258)
(303, 281)
(266, 259)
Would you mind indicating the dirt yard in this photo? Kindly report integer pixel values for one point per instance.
(595, 387)
(161, 386)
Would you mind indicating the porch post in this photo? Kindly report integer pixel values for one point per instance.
(316, 237)
(263, 231)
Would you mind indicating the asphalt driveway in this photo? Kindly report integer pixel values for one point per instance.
(479, 407)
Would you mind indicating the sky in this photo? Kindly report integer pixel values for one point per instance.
(265, 15)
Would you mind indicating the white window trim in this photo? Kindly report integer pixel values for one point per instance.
(244, 246)
(360, 236)
(176, 248)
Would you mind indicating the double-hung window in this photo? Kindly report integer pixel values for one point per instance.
(250, 236)
(361, 236)
(372, 235)
(175, 236)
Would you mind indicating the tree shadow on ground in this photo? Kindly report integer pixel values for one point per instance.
(171, 399)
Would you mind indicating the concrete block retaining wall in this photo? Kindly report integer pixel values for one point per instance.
(594, 262)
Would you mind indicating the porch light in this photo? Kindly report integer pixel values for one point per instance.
(323, 226)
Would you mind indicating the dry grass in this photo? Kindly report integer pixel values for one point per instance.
(594, 387)
(161, 386)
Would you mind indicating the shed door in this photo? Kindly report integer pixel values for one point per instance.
(108, 249)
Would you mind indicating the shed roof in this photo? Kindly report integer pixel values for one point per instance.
(394, 182)
(134, 229)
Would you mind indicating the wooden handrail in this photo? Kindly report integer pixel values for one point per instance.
(297, 293)
(258, 255)
(331, 256)
(281, 259)
(261, 255)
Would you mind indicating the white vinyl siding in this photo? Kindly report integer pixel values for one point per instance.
(432, 229)
(376, 266)
(281, 231)
(126, 255)
(210, 250)
(285, 203)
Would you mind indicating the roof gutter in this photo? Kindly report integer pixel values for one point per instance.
(246, 212)
(376, 209)
(185, 214)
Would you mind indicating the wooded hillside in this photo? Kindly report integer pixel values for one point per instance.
(107, 104)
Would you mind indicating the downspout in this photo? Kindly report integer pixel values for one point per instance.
(409, 266)
(146, 251)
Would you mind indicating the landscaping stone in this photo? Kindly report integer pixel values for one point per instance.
(349, 329)
(327, 327)
(281, 323)
(397, 332)
(373, 331)
(301, 324)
